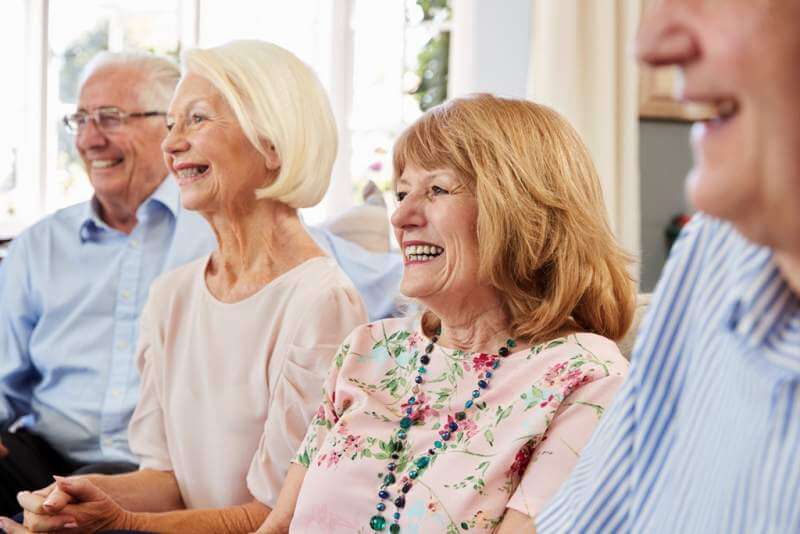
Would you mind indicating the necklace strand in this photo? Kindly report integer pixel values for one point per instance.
(398, 441)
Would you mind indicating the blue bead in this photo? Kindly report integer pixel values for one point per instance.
(488, 374)
(396, 515)
(468, 404)
(418, 379)
(401, 435)
(483, 384)
(412, 475)
(476, 394)
(453, 426)
(405, 423)
(381, 507)
(409, 410)
(412, 400)
(392, 466)
(383, 494)
(445, 435)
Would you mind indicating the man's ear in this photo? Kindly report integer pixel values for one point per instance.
(271, 157)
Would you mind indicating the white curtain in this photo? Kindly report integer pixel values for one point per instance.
(582, 65)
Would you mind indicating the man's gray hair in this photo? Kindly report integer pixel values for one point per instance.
(161, 75)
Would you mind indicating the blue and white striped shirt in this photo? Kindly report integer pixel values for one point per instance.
(705, 434)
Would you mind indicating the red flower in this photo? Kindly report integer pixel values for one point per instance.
(521, 461)
(483, 362)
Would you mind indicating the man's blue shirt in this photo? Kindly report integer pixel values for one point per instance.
(71, 290)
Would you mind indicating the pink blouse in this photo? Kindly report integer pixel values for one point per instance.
(515, 447)
(228, 389)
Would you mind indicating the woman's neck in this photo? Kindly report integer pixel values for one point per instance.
(256, 244)
(478, 324)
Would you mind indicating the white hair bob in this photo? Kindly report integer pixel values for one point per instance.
(277, 99)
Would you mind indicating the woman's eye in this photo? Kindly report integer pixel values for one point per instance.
(401, 195)
(170, 125)
(436, 190)
(197, 118)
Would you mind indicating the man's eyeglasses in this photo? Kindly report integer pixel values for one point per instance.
(106, 119)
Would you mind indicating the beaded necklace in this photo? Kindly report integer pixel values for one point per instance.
(398, 441)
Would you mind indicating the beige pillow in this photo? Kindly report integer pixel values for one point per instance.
(366, 225)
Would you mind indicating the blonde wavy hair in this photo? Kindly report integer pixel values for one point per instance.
(543, 238)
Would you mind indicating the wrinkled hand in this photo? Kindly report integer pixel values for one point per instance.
(74, 505)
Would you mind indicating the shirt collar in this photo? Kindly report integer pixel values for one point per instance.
(765, 312)
(167, 194)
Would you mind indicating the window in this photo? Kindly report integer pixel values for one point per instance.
(12, 41)
(366, 53)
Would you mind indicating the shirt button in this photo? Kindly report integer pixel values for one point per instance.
(126, 295)
(108, 441)
(122, 344)
(116, 393)
(135, 243)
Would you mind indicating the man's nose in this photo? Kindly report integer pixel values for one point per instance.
(90, 136)
(665, 36)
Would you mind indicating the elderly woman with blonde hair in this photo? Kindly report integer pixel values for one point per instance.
(233, 347)
(469, 417)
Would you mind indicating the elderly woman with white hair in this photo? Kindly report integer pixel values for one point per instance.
(233, 347)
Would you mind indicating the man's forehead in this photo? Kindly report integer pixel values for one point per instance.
(112, 86)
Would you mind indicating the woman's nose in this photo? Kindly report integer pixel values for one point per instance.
(409, 212)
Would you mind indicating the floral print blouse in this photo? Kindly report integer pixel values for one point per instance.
(516, 446)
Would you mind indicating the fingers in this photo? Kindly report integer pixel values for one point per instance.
(12, 527)
(48, 523)
(79, 489)
(31, 502)
(56, 500)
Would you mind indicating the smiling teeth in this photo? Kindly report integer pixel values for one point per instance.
(104, 163)
(192, 171)
(422, 252)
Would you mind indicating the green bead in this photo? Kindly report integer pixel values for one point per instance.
(464, 525)
(511, 343)
(394, 528)
(412, 475)
(389, 479)
(460, 416)
(422, 463)
(405, 423)
(377, 522)
(438, 444)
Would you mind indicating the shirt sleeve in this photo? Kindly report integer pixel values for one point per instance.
(146, 432)
(555, 456)
(597, 497)
(335, 314)
(19, 315)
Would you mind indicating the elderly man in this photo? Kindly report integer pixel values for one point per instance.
(74, 284)
(704, 437)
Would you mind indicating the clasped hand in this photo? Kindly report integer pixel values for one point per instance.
(70, 505)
